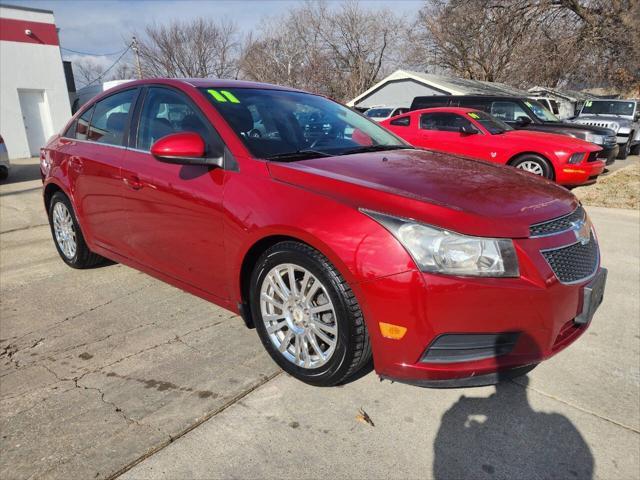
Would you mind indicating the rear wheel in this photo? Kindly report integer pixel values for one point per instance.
(67, 236)
(307, 316)
(4, 173)
(534, 164)
(635, 150)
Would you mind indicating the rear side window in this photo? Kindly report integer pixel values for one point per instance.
(443, 122)
(82, 125)
(110, 118)
(165, 112)
(401, 121)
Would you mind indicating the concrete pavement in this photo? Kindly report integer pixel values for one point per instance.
(107, 369)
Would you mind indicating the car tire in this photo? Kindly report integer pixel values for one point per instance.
(635, 150)
(334, 338)
(625, 149)
(4, 173)
(534, 164)
(67, 235)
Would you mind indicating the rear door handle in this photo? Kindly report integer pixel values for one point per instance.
(133, 182)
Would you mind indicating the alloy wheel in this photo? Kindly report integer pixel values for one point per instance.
(64, 230)
(531, 167)
(298, 315)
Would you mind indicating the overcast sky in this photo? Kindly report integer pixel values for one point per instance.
(106, 26)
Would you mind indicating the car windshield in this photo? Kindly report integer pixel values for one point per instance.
(287, 126)
(491, 124)
(378, 112)
(602, 107)
(540, 111)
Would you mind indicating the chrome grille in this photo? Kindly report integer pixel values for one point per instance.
(573, 263)
(556, 225)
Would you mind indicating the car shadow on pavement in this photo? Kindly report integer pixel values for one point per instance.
(502, 437)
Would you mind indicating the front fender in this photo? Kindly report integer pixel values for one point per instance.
(360, 248)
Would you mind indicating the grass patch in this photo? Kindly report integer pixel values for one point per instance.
(621, 189)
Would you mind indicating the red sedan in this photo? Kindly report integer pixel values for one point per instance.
(339, 243)
(568, 161)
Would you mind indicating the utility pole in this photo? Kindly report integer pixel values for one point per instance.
(134, 47)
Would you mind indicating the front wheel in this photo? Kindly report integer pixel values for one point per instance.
(534, 164)
(625, 149)
(67, 236)
(307, 316)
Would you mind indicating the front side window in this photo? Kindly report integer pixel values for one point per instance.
(110, 117)
(443, 122)
(165, 112)
(507, 111)
(288, 126)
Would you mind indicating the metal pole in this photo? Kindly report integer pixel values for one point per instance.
(134, 47)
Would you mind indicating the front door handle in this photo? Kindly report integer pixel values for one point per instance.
(133, 182)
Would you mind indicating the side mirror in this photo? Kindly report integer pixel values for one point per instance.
(523, 121)
(468, 130)
(185, 148)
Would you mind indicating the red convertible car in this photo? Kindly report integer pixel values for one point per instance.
(473, 133)
(341, 245)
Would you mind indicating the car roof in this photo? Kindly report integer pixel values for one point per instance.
(459, 110)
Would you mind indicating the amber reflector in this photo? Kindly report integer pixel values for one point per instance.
(389, 330)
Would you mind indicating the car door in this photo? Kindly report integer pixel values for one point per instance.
(94, 146)
(174, 212)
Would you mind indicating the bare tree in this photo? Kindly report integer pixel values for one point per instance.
(199, 48)
(523, 42)
(335, 51)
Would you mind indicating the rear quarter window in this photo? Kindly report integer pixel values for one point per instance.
(401, 121)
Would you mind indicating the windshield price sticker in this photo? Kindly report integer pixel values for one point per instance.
(223, 96)
(588, 103)
(473, 115)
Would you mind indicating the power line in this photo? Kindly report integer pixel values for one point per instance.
(94, 54)
(101, 76)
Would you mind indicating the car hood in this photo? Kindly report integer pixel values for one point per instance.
(574, 128)
(456, 193)
(554, 140)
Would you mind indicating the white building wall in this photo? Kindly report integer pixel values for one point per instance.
(30, 66)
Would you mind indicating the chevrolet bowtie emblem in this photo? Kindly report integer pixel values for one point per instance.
(582, 230)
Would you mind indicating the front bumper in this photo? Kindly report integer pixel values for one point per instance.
(536, 306)
(584, 173)
(609, 154)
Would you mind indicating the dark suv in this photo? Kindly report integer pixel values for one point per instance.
(520, 112)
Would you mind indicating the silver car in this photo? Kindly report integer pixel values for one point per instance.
(4, 160)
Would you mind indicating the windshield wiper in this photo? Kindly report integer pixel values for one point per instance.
(375, 148)
(298, 155)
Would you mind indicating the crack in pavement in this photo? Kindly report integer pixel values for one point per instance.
(577, 407)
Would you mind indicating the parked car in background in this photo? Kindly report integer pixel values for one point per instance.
(526, 114)
(476, 134)
(448, 271)
(4, 160)
(621, 116)
(382, 112)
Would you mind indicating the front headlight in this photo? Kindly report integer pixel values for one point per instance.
(442, 251)
(593, 138)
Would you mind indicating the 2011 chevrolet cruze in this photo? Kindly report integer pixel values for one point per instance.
(339, 243)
